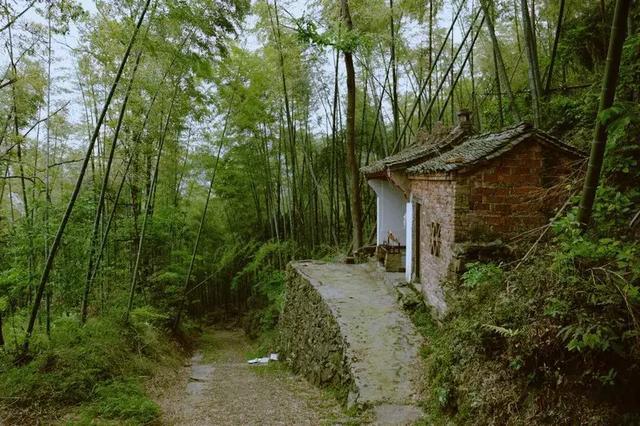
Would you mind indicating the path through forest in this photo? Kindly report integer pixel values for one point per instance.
(218, 387)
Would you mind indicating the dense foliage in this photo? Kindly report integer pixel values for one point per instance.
(224, 153)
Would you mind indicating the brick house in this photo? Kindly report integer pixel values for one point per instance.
(451, 196)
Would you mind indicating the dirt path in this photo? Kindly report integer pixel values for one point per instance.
(220, 388)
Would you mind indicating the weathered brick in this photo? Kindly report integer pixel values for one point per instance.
(499, 199)
(501, 208)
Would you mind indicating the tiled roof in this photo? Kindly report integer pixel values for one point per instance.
(485, 147)
(424, 148)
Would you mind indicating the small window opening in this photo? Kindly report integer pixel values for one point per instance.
(436, 242)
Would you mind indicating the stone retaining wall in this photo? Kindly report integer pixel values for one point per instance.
(310, 338)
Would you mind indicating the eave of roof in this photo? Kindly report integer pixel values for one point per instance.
(415, 154)
(486, 147)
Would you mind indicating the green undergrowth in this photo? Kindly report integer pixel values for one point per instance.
(264, 344)
(120, 401)
(272, 369)
(265, 273)
(555, 340)
(548, 343)
(91, 374)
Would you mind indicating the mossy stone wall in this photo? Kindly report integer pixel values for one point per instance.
(310, 339)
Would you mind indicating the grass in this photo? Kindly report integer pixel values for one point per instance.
(99, 370)
(264, 345)
(123, 401)
(272, 369)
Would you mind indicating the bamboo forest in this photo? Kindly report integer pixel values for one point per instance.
(319, 212)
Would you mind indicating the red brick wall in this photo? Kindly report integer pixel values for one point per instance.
(499, 199)
(557, 171)
(502, 198)
(437, 206)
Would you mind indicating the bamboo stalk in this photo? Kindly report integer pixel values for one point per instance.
(609, 83)
(63, 224)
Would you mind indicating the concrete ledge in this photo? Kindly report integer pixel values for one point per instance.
(343, 326)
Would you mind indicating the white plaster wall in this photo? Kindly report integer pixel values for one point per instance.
(408, 260)
(390, 214)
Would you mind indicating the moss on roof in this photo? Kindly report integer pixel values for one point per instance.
(485, 147)
(424, 146)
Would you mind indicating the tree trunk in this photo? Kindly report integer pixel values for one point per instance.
(290, 123)
(445, 75)
(394, 77)
(334, 200)
(454, 82)
(148, 205)
(47, 179)
(67, 214)
(451, 83)
(105, 235)
(609, 83)
(352, 163)
(630, 22)
(103, 192)
(532, 57)
(1, 335)
(428, 82)
(430, 60)
(554, 50)
(18, 143)
(187, 278)
(504, 78)
(498, 88)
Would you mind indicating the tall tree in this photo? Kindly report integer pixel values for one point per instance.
(103, 191)
(352, 161)
(532, 56)
(609, 84)
(554, 49)
(148, 207)
(291, 131)
(187, 278)
(487, 7)
(394, 74)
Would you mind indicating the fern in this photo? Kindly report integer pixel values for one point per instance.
(502, 331)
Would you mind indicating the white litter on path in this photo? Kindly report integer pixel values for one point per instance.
(263, 360)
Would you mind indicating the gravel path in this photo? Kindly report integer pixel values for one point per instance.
(220, 388)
